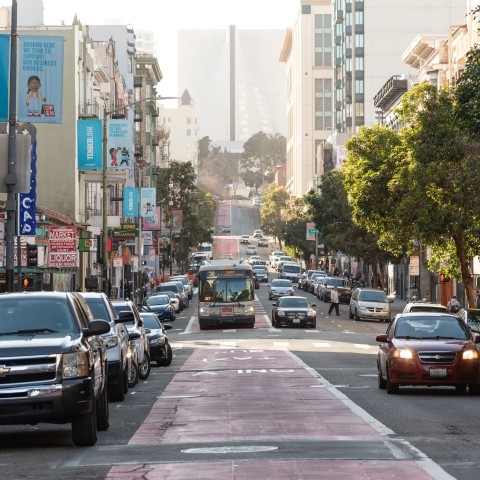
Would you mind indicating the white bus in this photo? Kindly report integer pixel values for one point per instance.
(226, 295)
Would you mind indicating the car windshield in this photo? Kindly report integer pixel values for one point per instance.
(427, 308)
(35, 316)
(293, 303)
(336, 282)
(150, 320)
(292, 268)
(158, 300)
(281, 283)
(367, 296)
(430, 327)
(98, 308)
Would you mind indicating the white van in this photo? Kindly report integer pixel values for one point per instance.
(207, 248)
(290, 271)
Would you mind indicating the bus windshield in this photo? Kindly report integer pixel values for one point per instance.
(226, 290)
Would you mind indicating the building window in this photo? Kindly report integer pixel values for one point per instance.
(306, 9)
(359, 86)
(323, 103)
(189, 144)
(359, 64)
(323, 40)
(189, 132)
(359, 40)
(189, 120)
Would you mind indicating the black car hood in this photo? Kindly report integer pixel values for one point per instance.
(39, 344)
(158, 308)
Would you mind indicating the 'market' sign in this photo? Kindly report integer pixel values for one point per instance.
(62, 243)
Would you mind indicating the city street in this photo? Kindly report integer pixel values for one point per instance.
(264, 403)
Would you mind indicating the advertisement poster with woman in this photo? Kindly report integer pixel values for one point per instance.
(40, 79)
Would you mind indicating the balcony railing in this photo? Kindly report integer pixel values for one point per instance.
(89, 110)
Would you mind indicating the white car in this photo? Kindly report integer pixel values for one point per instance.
(251, 250)
(257, 234)
(280, 288)
(273, 255)
(254, 258)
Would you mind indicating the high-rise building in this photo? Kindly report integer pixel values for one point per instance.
(236, 81)
(338, 56)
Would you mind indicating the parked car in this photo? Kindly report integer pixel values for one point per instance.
(174, 298)
(425, 307)
(245, 239)
(280, 288)
(54, 363)
(187, 284)
(160, 348)
(116, 341)
(471, 318)
(261, 272)
(262, 242)
(432, 349)
(251, 250)
(316, 283)
(128, 312)
(294, 311)
(326, 286)
(181, 290)
(306, 282)
(370, 304)
(175, 288)
(161, 306)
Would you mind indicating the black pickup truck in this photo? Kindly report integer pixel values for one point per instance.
(53, 363)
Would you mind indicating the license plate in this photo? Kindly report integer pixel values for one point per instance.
(438, 372)
(227, 309)
(296, 320)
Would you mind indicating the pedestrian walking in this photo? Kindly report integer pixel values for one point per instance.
(477, 299)
(453, 305)
(334, 302)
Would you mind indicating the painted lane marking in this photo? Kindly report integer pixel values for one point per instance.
(321, 345)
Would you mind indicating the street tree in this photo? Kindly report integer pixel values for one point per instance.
(274, 210)
(420, 184)
(333, 216)
(262, 152)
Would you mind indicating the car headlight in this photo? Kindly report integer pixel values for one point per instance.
(402, 353)
(157, 341)
(75, 365)
(311, 312)
(281, 312)
(249, 309)
(470, 355)
(111, 341)
(204, 311)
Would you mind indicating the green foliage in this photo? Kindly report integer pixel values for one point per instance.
(261, 153)
(274, 206)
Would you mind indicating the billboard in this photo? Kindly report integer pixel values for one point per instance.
(40, 78)
(89, 144)
(119, 145)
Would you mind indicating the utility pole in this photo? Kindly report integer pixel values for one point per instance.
(11, 179)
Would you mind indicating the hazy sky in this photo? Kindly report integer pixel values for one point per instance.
(166, 17)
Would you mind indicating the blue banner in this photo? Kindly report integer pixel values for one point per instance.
(119, 145)
(28, 201)
(4, 75)
(148, 198)
(40, 79)
(130, 202)
(89, 146)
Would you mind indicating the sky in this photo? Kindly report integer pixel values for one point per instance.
(166, 17)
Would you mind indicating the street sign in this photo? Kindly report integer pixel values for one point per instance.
(313, 230)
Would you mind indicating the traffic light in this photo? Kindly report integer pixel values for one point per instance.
(27, 283)
(32, 255)
(442, 278)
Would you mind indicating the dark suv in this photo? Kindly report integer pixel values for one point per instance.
(53, 363)
(116, 341)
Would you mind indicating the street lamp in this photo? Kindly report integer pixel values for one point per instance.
(106, 113)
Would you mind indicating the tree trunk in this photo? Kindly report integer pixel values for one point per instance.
(467, 278)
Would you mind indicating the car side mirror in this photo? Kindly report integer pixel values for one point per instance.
(381, 338)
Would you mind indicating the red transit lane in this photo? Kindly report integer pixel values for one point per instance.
(234, 414)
